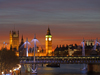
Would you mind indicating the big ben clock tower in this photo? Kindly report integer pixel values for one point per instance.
(48, 41)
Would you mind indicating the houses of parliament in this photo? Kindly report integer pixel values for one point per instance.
(21, 50)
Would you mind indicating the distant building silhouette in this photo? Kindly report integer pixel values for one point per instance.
(61, 51)
(76, 50)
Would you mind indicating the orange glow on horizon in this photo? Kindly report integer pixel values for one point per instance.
(55, 41)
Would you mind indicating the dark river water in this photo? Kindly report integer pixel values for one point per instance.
(64, 69)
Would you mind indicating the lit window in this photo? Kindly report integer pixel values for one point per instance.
(49, 39)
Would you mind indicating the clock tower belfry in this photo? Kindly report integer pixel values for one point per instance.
(48, 43)
(14, 39)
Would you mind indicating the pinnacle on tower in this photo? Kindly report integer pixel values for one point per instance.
(48, 32)
(22, 39)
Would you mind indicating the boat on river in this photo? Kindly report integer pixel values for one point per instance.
(53, 65)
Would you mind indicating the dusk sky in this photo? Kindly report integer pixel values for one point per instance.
(69, 20)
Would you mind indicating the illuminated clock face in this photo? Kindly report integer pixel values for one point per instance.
(49, 39)
(46, 39)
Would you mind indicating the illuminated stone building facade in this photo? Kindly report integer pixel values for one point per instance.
(89, 42)
(48, 43)
(14, 40)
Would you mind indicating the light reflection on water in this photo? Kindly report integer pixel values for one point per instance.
(64, 69)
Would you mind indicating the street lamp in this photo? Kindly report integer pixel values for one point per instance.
(2, 72)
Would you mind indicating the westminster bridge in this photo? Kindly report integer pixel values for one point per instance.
(93, 62)
(60, 59)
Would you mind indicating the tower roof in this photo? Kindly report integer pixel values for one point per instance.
(48, 32)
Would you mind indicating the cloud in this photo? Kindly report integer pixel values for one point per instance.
(68, 19)
(54, 11)
(52, 5)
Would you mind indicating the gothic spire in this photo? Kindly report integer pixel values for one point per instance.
(48, 32)
(22, 39)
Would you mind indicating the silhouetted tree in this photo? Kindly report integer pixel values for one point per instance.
(8, 60)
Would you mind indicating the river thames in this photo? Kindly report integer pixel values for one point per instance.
(64, 69)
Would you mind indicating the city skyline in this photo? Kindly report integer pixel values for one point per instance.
(69, 20)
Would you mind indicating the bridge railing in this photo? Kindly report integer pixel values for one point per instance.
(62, 58)
(60, 61)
